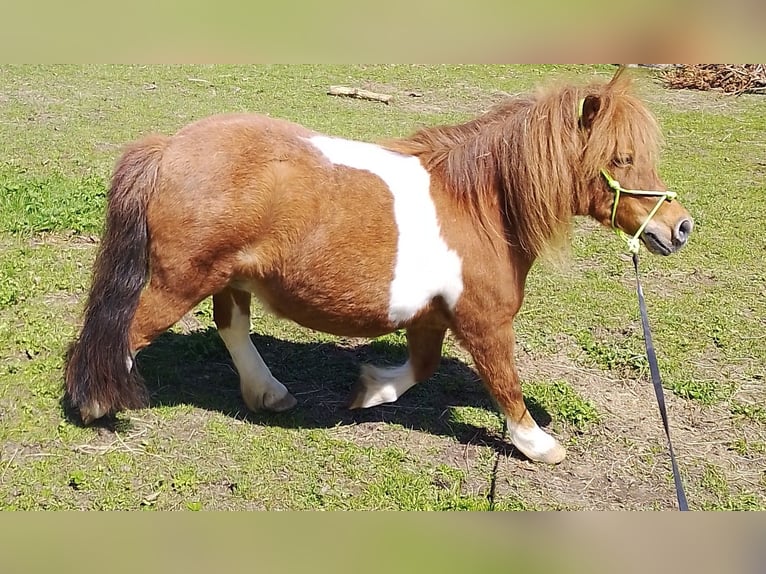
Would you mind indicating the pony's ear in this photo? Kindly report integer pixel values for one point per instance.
(588, 110)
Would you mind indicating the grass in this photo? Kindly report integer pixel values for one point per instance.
(61, 128)
(35, 204)
(563, 403)
(714, 480)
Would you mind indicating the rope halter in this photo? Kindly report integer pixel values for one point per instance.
(633, 242)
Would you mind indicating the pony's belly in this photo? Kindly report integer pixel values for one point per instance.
(321, 309)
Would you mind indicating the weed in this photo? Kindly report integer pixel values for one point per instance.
(705, 391)
(613, 356)
(563, 402)
(755, 413)
(715, 483)
(748, 448)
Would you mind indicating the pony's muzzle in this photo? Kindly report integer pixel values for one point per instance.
(681, 233)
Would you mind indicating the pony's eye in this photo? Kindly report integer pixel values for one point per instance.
(623, 160)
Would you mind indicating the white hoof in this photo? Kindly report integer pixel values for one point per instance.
(276, 398)
(377, 386)
(535, 443)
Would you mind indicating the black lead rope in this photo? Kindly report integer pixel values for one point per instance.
(657, 383)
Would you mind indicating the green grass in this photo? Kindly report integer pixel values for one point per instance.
(563, 403)
(755, 413)
(33, 204)
(748, 448)
(613, 354)
(61, 129)
(725, 498)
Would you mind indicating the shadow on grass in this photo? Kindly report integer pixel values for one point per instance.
(196, 369)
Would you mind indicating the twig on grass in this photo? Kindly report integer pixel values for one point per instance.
(8, 464)
(359, 93)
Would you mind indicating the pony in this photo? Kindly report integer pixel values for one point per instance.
(428, 233)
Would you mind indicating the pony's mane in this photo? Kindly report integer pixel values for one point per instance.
(531, 155)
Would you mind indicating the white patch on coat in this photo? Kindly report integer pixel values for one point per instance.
(425, 266)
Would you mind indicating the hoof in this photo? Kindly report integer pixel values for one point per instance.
(535, 443)
(555, 455)
(276, 399)
(279, 405)
(357, 397)
(362, 397)
(92, 412)
(377, 386)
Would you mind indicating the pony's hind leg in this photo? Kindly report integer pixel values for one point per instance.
(260, 390)
(159, 308)
(492, 348)
(378, 385)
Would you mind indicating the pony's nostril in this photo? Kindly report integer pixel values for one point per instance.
(682, 231)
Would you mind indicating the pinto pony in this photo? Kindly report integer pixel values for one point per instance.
(431, 232)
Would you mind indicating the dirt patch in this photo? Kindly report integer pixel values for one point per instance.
(474, 457)
(65, 240)
(462, 99)
(32, 98)
(61, 299)
(690, 100)
(622, 463)
(190, 324)
(459, 98)
(11, 452)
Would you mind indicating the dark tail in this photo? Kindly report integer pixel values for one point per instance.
(99, 380)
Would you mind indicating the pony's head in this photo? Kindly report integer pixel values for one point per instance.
(621, 142)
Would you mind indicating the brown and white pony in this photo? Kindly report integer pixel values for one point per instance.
(432, 232)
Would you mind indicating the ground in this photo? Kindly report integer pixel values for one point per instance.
(440, 446)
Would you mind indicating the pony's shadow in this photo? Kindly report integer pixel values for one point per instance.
(195, 369)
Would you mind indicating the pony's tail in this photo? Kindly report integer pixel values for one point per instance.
(99, 380)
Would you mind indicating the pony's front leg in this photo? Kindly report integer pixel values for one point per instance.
(260, 390)
(492, 348)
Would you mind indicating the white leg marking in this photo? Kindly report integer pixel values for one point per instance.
(378, 385)
(425, 266)
(259, 387)
(535, 443)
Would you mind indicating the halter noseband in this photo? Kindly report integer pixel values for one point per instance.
(633, 242)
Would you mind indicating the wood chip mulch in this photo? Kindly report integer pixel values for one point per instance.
(730, 78)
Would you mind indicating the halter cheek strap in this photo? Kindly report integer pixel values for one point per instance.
(633, 242)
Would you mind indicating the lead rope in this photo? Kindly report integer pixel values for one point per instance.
(657, 383)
